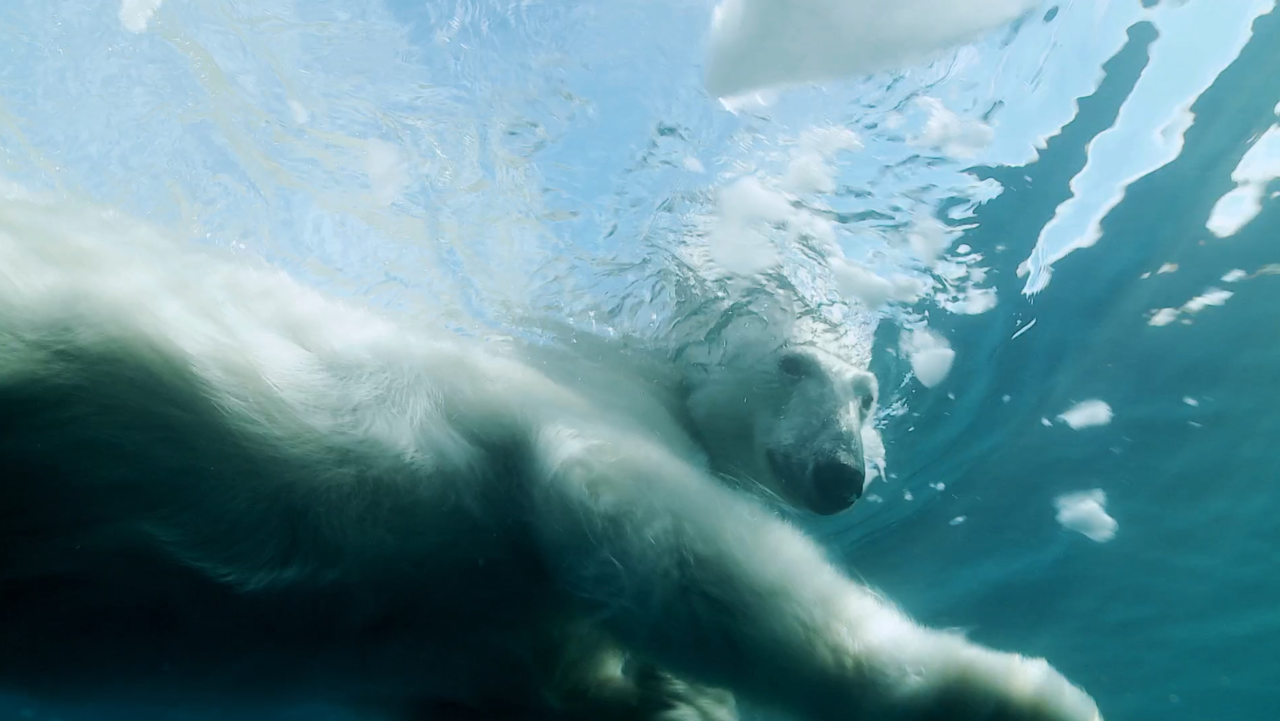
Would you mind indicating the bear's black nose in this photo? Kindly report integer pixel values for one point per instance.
(834, 485)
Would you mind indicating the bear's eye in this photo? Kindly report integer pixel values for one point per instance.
(795, 365)
(867, 401)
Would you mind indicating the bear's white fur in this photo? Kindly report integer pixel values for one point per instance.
(220, 484)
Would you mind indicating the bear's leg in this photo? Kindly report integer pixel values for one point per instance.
(697, 579)
(578, 673)
(587, 676)
(645, 694)
(649, 696)
(602, 685)
(668, 698)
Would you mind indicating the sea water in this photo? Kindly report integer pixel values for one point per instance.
(1063, 239)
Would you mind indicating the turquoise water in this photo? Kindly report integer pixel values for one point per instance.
(1174, 618)
(453, 161)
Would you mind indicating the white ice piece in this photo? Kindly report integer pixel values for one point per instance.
(758, 44)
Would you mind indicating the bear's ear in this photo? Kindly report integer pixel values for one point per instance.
(866, 388)
(798, 365)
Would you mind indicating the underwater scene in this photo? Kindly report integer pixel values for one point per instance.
(981, 296)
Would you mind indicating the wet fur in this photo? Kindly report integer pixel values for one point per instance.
(221, 485)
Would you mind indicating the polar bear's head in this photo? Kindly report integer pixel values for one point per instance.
(788, 419)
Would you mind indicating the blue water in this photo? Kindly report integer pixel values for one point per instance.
(557, 155)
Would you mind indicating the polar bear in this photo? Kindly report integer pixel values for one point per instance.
(222, 486)
(755, 406)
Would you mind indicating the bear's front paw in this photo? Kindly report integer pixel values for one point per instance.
(667, 698)
(977, 684)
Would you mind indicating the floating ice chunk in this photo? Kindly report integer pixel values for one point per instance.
(932, 366)
(1213, 296)
(388, 173)
(1046, 422)
(1235, 209)
(1085, 512)
(953, 135)
(1191, 401)
(768, 43)
(1259, 166)
(931, 356)
(958, 520)
(1087, 414)
(1164, 316)
(1234, 276)
(135, 14)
